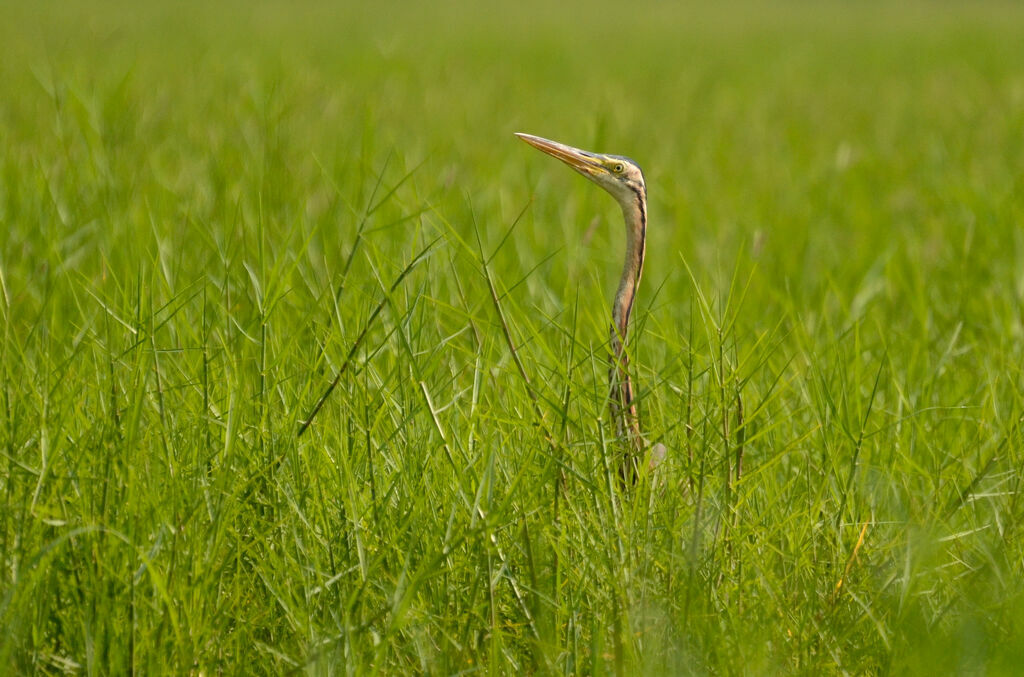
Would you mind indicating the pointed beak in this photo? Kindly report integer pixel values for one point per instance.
(582, 161)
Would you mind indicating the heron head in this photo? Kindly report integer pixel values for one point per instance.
(618, 175)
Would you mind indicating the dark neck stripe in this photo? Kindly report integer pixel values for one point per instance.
(641, 206)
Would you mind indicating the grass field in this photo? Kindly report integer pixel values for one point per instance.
(207, 213)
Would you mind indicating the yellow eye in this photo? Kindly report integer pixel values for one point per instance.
(619, 168)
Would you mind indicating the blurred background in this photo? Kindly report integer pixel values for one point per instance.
(202, 203)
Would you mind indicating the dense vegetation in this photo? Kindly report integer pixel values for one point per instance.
(208, 213)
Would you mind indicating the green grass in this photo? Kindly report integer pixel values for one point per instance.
(203, 210)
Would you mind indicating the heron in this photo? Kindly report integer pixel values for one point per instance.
(623, 179)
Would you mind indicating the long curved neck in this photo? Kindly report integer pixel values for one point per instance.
(634, 211)
(622, 406)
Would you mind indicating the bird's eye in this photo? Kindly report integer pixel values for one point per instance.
(618, 168)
